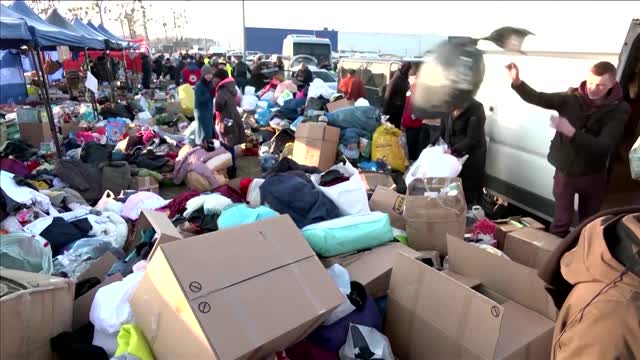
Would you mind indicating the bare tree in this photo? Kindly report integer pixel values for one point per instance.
(43, 7)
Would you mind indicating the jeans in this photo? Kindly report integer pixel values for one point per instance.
(591, 191)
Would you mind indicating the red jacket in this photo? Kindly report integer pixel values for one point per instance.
(408, 121)
(352, 88)
(191, 76)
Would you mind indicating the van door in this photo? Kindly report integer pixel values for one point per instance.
(375, 76)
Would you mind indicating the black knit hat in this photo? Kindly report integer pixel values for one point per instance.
(221, 74)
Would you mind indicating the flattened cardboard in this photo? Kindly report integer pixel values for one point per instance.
(372, 268)
(530, 247)
(82, 305)
(33, 316)
(201, 293)
(160, 223)
(432, 316)
(430, 219)
(504, 227)
(391, 203)
(342, 103)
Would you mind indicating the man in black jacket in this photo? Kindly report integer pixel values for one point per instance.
(240, 73)
(589, 127)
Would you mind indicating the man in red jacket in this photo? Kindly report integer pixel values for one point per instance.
(191, 73)
(352, 87)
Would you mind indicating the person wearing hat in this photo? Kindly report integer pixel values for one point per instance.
(204, 103)
(228, 119)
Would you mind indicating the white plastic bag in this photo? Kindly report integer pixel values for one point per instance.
(433, 162)
(26, 252)
(249, 91)
(364, 342)
(110, 308)
(340, 276)
(350, 196)
(268, 96)
(249, 103)
(634, 160)
(361, 102)
(319, 88)
(143, 118)
(109, 203)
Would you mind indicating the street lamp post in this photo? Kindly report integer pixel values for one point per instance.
(244, 36)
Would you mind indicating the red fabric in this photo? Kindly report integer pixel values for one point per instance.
(244, 186)
(352, 88)
(171, 155)
(32, 165)
(408, 122)
(485, 227)
(100, 131)
(147, 135)
(179, 204)
(218, 115)
(250, 152)
(190, 76)
(230, 193)
(15, 167)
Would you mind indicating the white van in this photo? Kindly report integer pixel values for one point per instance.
(519, 133)
(295, 45)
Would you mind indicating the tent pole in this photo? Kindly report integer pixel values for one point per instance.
(94, 105)
(47, 104)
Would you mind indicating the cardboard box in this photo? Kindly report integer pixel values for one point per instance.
(432, 315)
(503, 227)
(342, 103)
(31, 115)
(145, 183)
(530, 247)
(316, 145)
(373, 179)
(35, 133)
(430, 218)
(33, 309)
(389, 202)
(372, 268)
(165, 231)
(239, 293)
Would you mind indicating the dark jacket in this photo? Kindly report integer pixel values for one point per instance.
(465, 136)
(240, 70)
(396, 94)
(308, 206)
(305, 76)
(204, 108)
(146, 72)
(86, 179)
(599, 128)
(226, 108)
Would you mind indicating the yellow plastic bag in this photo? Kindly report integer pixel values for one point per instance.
(386, 146)
(187, 99)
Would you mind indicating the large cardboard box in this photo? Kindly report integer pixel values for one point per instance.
(431, 216)
(389, 202)
(342, 103)
(506, 314)
(530, 247)
(316, 145)
(239, 293)
(35, 133)
(145, 183)
(372, 268)
(33, 309)
(506, 226)
(165, 231)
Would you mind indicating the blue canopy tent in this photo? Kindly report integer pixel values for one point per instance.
(94, 34)
(56, 19)
(104, 30)
(47, 36)
(15, 33)
(121, 42)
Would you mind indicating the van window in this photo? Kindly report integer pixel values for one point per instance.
(322, 52)
(375, 75)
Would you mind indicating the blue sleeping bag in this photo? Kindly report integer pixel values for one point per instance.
(240, 214)
(349, 233)
(365, 118)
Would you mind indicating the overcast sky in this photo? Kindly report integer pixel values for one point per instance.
(589, 26)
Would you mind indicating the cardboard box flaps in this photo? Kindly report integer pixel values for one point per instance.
(438, 315)
(506, 226)
(165, 231)
(530, 247)
(374, 179)
(33, 310)
(201, 293)
(316, 145)
(372, 268)
(391, 203)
